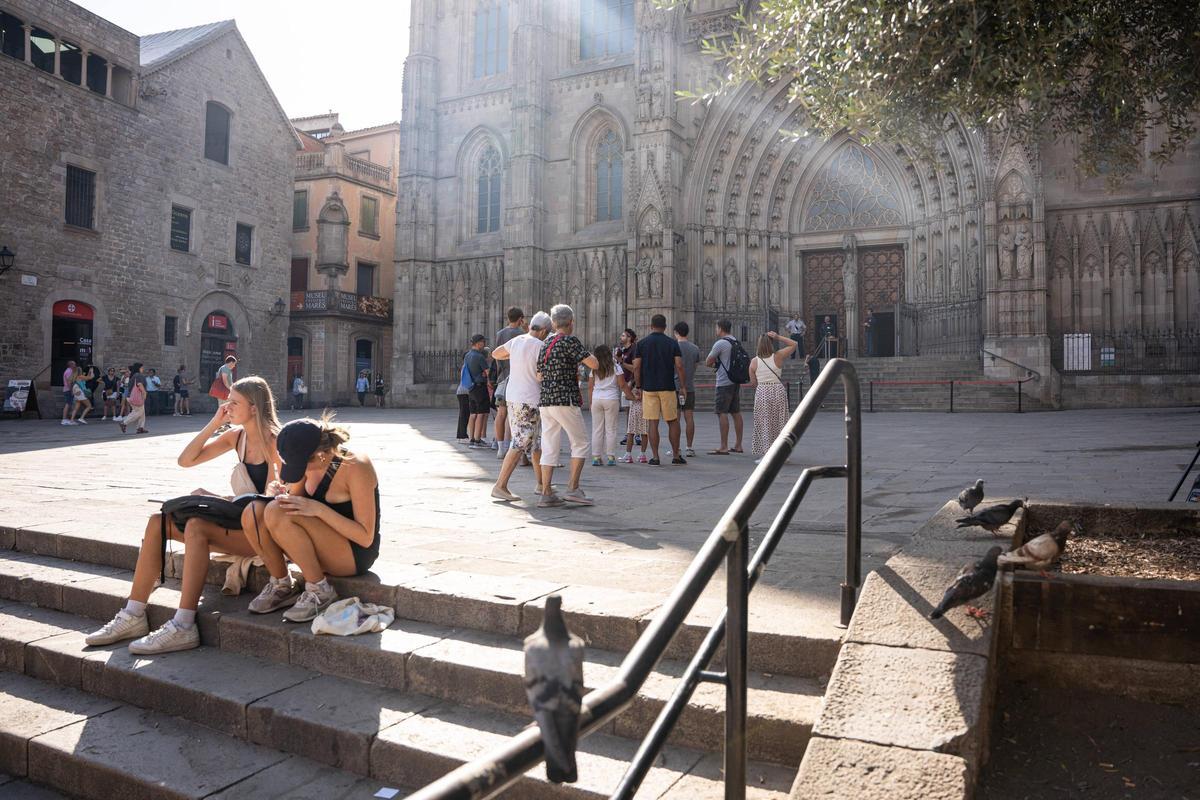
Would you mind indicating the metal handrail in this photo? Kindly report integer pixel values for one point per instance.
(1037, 376)
(729, 541)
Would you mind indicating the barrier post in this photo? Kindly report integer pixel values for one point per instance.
(871, 394)
(1020, 385)
(951, 397)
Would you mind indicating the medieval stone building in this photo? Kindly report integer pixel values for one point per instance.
(545, 157)
(146, 192)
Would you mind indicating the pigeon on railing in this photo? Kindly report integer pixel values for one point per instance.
(554, 686)
(1041, 551)
(992, 517)
(971, 496)
(972, 581)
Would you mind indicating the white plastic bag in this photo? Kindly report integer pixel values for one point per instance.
(349, 617)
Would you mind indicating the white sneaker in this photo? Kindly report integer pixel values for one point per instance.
(169, 638)
(312, 602)
(121, 627)
(578, 497)
(118, 419)
(274, 596)
(81, 421)
(66, 422)
(104, 418)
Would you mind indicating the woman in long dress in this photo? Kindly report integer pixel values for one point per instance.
(770, 393)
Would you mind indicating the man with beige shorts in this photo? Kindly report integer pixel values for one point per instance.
(657, 362)
(561, 407)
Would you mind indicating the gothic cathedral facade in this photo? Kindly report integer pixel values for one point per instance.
(546, 157)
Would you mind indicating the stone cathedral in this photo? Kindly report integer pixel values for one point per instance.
(546, 157)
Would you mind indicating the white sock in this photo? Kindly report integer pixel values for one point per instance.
(322, 586)
(286, 580)
(135, 609)
(185, 617)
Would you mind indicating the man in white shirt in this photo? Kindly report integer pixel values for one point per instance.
(796, 328)
(523, 393)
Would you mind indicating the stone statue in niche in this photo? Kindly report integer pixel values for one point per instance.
(922, 278)
(774, 286)
(658, 106)
(656, 279)
(1024, 244)
(850, 269)
(955, 270)
(1004, 246)
(939, 277)
(643, 101)
(641, 275)
(708, 288)
(973, 269)
(732, 284)
(753, 284)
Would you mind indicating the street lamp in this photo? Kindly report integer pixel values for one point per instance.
(7, 259)
(278, 308)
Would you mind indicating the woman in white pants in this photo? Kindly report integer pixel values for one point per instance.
(605, 387)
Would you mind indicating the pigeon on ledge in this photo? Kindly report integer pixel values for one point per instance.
(554, 686)
(973, 580)
(971, 496)
(1041, 551)
(992, 517)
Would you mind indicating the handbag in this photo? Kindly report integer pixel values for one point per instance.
(217, 510)
(240, 479)
(218, 389)
(138, 396)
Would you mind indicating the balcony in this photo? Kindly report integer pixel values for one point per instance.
(333, 162)
(342, 304)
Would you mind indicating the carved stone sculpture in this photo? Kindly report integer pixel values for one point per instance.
(922, 278)
(1004, 245)
(708, 289)
(732, 285)
(1024, 245)
(939, 277)
(656, 279)
(641, 274)
(774, 286)
(955, 271)
(973, 267)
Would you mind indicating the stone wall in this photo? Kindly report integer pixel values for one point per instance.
(145, 160)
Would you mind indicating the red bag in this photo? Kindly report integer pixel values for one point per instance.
(137, 397)
(218, 389)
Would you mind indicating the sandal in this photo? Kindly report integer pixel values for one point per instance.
(736, 450)
(718, 452)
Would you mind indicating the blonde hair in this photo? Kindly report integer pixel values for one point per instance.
(258, 393)
(765, 348)
(333, 436)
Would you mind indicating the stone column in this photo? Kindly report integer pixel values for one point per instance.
(28, 43)
(108, 67)
(57, 54)
(415, 223)
(525, 214)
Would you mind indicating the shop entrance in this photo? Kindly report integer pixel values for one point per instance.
(71, 337)
(217, 340)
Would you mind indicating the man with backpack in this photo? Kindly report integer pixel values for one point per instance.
(732, 363)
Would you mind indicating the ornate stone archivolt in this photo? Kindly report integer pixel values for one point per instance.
(852, 191)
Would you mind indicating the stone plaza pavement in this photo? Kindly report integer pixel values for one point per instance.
(648, 521)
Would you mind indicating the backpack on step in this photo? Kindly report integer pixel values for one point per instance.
(738, 370)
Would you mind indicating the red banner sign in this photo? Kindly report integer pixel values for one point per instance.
(218, 322)
(73, 309)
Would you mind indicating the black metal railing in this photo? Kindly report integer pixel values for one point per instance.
(729, 542)
(437, 366)
(1127, 352)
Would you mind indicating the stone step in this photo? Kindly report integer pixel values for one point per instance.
(474, 668)
(270, 709)
(607, 619)
(88, 746)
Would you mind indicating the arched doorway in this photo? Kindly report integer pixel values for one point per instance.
(71, 337)
(295, 358)
(364, 357)
(218, 339)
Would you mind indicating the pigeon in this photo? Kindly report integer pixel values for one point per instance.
(554, 686)
(1041, 551)
(992, 517)
(971, 496)
(972, 581)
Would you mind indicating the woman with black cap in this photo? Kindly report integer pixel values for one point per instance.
(327, 523)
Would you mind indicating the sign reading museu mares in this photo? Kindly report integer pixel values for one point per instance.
(546, 157)
(149, 189)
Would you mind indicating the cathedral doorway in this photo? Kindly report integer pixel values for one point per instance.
(881, 282)
(880, 287)
(824, 295)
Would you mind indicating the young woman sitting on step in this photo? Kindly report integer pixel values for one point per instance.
(251, 410)
(327, 522)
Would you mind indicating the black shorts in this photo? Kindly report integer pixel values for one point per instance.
(729, 399)
(689, 402)
(480, 403)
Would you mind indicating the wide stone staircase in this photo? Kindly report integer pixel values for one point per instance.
(902, 383)
(265, 709)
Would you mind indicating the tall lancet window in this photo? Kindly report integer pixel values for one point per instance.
(487, 189)
(491, 38)
(609, 177)
(605, 27)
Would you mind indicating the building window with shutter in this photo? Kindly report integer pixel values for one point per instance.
(181, 229)
(491, 38)
(368, 216)
(366, 279)
(300, 210)
(243, 243)
(216, 132)
(487, 190)
(169, 326)
(81, 197)
(605, 27)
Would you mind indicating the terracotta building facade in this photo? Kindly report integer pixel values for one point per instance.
(146, 197)
(343, 246)
(545, 157)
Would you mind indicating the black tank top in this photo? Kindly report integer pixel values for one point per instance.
(346, 507)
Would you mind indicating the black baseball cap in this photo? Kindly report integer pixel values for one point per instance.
(477, 338)
(296, 442)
